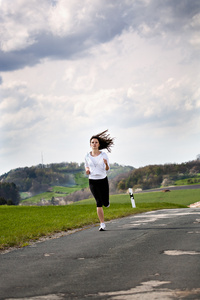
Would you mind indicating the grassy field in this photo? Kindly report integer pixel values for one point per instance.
(22, 224)
(188, 181)
(58, 191)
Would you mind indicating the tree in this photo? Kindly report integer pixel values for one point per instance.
(2, 201)
(9, 192)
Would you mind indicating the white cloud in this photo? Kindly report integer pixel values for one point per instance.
(72, 17)
(20, 23)
(136, 74)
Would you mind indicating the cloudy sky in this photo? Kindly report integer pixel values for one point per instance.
(71, 69)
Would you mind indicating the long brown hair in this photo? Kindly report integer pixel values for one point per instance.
(105, 141)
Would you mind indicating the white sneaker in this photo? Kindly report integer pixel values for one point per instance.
(102, 227)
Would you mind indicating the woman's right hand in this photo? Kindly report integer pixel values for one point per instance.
(87, 171)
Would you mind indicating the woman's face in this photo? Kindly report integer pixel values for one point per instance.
(94, 144)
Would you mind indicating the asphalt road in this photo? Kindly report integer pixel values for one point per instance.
(153, 255)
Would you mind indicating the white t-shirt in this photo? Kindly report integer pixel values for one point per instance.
(96, 165)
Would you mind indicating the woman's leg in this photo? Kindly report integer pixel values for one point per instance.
(100, 214)
(97, 188)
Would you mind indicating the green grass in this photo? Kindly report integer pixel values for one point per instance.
(182, 197)
(39, 197)
(58, 191)
(24, 195)
(81, 180)
(188, 181)
(22, 224)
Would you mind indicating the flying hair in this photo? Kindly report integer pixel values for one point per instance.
(105, 141)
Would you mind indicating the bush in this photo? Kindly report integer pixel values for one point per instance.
(2, 201)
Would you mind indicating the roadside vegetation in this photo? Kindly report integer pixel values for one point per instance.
(21, 225)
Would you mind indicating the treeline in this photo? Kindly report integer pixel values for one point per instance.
(38, 179)
(9, 194)
(154, 176)
(41, 178)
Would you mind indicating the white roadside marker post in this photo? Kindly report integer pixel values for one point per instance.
(132, 197)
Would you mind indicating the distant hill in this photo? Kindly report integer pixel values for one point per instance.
(68, 182)
(38, 179)
(155, 176)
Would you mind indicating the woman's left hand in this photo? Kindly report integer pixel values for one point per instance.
(106, 163)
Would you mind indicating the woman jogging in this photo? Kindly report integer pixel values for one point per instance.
(96, 166)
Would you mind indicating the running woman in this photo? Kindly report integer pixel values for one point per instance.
(96, 167)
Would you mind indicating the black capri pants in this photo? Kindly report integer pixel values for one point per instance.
(100, 190)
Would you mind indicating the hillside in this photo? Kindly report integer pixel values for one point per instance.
(65, 183)
(155, 176)
(37, 179)
(55, 180)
